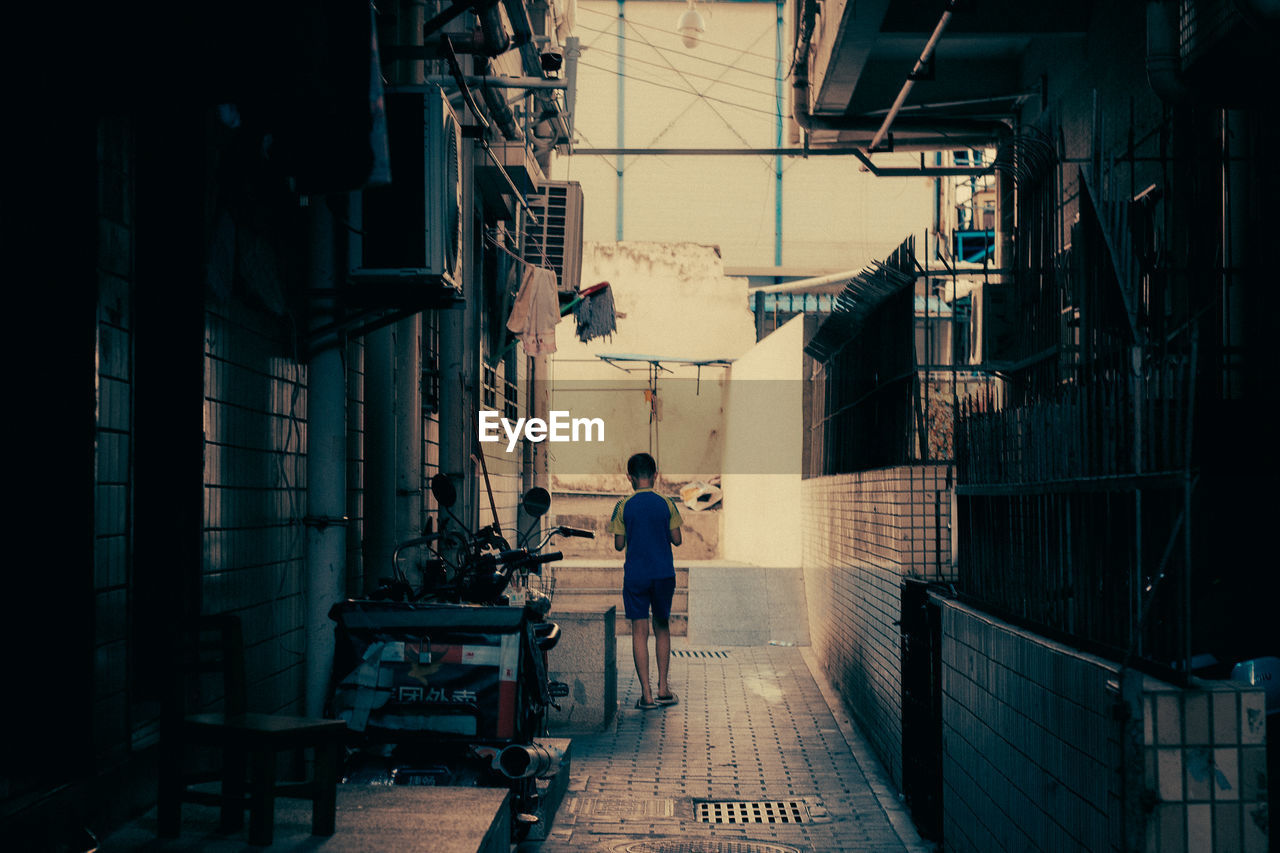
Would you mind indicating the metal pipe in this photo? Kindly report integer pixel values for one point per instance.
(879, 171)
(1164, 65)
(925, 55)
(820, 283)
(572, 53)
(379, 456)
(622, 78)
(326, 467)
(942, 105)
(521, 761)
(491, 80)
(408, 426)
(492, 17)
(501, 113)
(947, 133)
(777, 140)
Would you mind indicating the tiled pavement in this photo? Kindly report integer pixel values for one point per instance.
(752, 726)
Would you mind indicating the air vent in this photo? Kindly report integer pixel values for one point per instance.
(554, 241)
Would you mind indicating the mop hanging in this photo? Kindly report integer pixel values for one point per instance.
(594, 312)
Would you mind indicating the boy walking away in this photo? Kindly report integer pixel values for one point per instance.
(646, 524)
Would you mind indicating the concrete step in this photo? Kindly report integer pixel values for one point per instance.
(701, 530)
(603, 599)
(589, 586)
(679, 625)
(581, 575)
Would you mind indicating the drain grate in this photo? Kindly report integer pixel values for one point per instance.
(672, 845)
(698, 653)
(621, 807)
(771, 811)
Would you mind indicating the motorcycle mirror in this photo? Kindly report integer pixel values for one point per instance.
(537, 501)
(442, 488)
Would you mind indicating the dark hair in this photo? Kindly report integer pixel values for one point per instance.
(642, 466)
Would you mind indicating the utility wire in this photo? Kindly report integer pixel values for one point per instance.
(668, 32)
(667, 65)
(680, 114)
(769, 113)
(720, 116)
(680, 52)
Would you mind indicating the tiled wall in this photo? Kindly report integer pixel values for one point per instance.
(1030, 743)
(1206, 763)
(355, 467)
(255, 495)
(1032, 757)
(862, 533)
(113, 435)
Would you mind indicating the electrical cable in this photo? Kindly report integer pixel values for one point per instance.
(682, 53)
(719, 80)
(663, 30)
(769, 113)
(725, 121)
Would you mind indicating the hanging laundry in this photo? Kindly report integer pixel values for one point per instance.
(536, 311)
(595, 313)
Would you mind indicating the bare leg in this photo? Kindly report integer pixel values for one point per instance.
(662, 652)
(640, 652)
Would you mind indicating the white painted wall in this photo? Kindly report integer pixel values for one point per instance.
(763, 445)
(835, 216)
(678, 304)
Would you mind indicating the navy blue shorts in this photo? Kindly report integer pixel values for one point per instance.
(638, 596)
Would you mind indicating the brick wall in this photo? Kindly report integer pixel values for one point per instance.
(255, 495)
(862, 534)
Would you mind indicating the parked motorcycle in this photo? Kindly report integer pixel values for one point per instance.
(444, 682)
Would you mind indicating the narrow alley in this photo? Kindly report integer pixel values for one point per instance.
(754, 739)
(382, 365)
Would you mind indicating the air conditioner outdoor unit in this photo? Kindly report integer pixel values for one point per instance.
(412, 229)
(554, 239)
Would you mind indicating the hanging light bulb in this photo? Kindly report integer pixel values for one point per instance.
(691, 26)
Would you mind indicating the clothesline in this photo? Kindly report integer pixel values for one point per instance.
(501, 248)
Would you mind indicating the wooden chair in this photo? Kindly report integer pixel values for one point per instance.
(248, 742)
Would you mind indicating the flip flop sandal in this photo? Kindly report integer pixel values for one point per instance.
(641, 705)
(671, 699)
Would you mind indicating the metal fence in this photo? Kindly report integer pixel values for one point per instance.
(1074, 509)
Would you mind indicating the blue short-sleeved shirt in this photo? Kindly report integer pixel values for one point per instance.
(646, 519)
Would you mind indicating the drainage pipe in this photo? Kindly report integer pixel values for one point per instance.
(521, 761)
(925, 56)
(947, 133)
(1164, 65)
(326, 530)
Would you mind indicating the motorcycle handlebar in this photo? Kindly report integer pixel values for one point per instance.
(576, 531)
(549, 557)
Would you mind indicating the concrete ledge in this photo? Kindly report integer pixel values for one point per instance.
(371, 819)
(586, 658)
